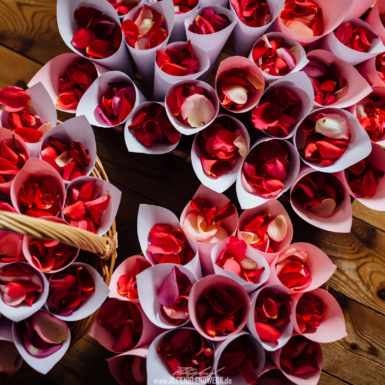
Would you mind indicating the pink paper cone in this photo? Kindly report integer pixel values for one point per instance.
(332, 327)
(6, 136)
(148, 217)
(274, 207)
(212, 43)
(317, 262)
(67, 27)
(158, 371)
(229, 224)
(217, 281)
(149, 282)
(248, 200)
(358, 148)
(126, 267)
(374, 18)
(333, 12)
(178, 30)
(359, 7)
(226, 180)
(107, 340)
(221, 348)
(299, 84)
(133, 144)
(93, 303)
(49, 75)
(163, 81)
(339, 222)
(356, 85)
(184, 128)
(23, 311)
(41, 365)
(248, 66)
(250, 253)
(92, 97)
(369, 71)
(305, 379)
(245, 36)
(377, 202)
(104, 188)
(115, 363)
(350, 55)
(145, 58)
(295, 48)
(74, 130)
(286, 331)
(34, 168)
(27, 252)
(43, 107)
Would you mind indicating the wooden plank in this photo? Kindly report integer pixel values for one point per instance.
(375, 218)
(29, 27)
(327, 379)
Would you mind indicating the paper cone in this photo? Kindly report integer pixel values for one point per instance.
(178, 30)
(5, 136)
(43, 107)
(104, 188)
(27, 252)
(297, 51)
(41, 365)
(211, 3)
(269, 374)
(230, 224)
(248, 200)
(339, 222)
(357, 87)
(68, 27)
(358, 148)
(149, 281)
(221, 347)
(359, 7)
(218, 281)
(163, 81)
(250, 253)
(180, 126)
(317, 262)
(332, 327)
(374, 18)
(145, 58)
(115, 363)
(300, 84)
(126, 267)
(34, 168)
(92, 97)
(212, 43)
(49, 75)
(75, 130)
(133, 145)
(333, 12)
(369, 71)
(107, 340)
(93, 302)
(305, 379)
(350, 55)
(223, 182)
(286, 331)
(148, 217)
(157, 371)
(245, 36)
(274, 207)
(249, 66)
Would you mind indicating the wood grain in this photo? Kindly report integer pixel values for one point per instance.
(374, 218)
(29, 27)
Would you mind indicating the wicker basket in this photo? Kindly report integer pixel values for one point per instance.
(98, 251)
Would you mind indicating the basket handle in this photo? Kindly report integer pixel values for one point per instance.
(104, 246)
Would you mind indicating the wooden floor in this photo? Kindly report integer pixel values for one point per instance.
(28, 39)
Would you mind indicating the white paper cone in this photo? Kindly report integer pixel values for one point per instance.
(133, 145)
(245, 36)
(226, 180)
(178, 31)
(92, 97)
(149, 281)
(68, 27)
(163, 81)
(49, 75)
(213, 3)
(248, 200)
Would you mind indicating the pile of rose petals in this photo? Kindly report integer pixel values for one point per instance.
(208, 21)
